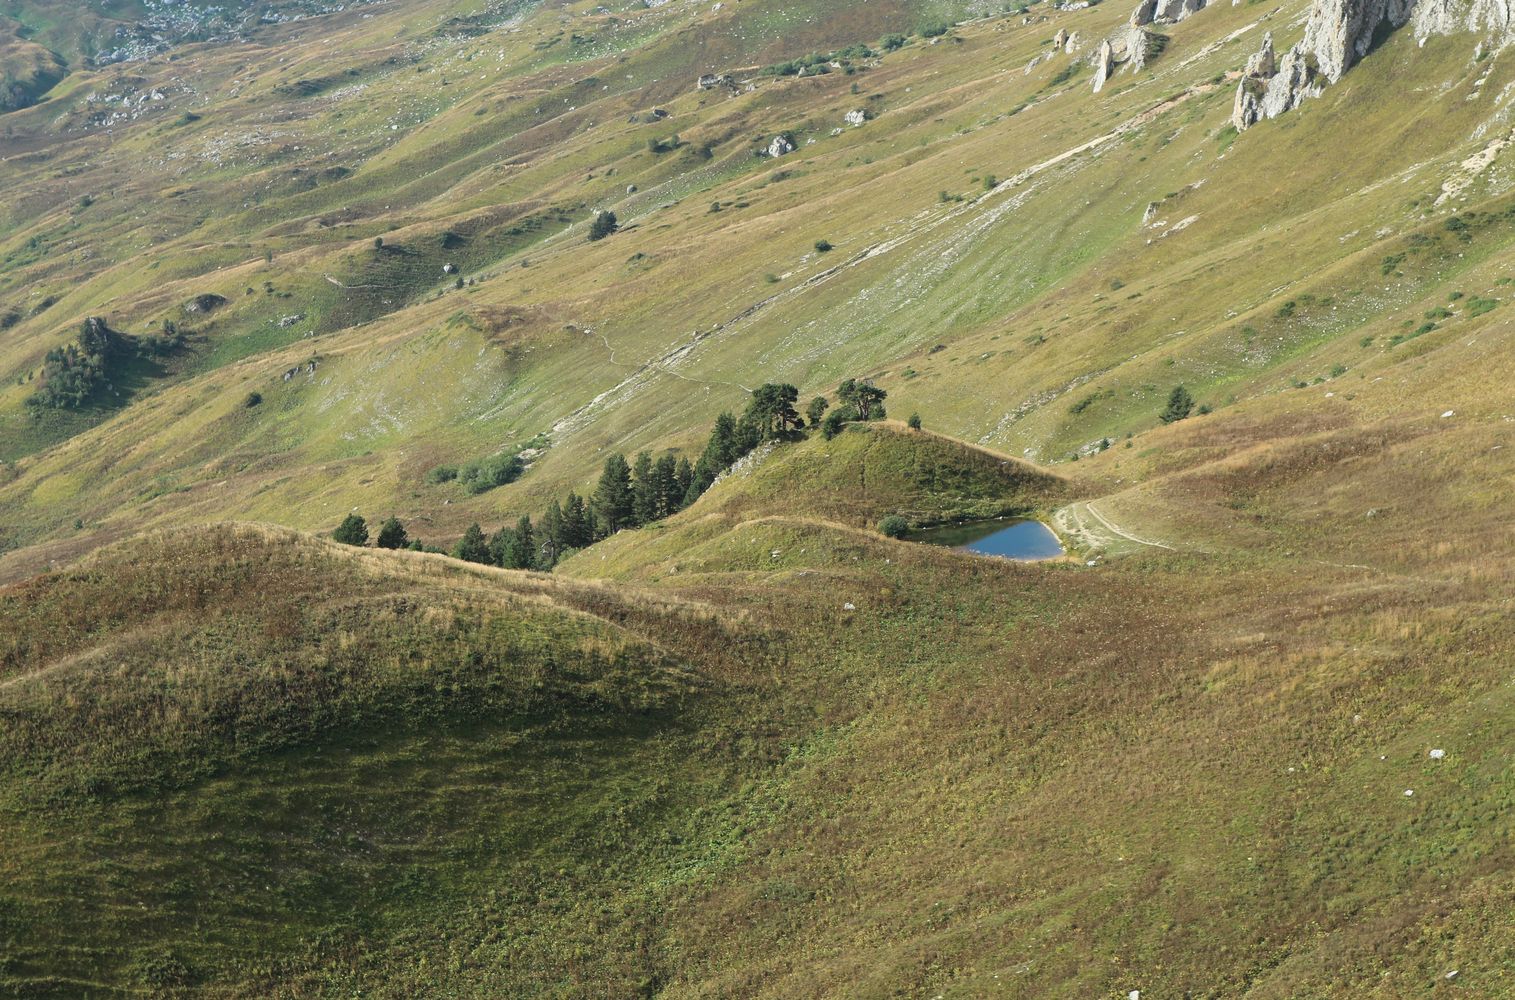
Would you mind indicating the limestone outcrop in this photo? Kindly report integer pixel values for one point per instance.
(1174, 11)
(1338, 33)
(1132, 46)
(1104, 64)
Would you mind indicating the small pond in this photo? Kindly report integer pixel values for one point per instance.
(1008, 539)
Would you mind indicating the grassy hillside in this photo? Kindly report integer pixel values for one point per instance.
(246, 795)
(757, 749)
(991, 266)
(403, 776)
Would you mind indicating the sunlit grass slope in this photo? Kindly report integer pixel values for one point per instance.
(993, 266)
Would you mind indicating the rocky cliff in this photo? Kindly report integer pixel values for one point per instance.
(1340, 32)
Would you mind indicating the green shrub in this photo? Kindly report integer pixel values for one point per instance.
(603, 225)
(894, 526)
(352, 531)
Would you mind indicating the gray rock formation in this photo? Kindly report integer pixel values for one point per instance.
(1448, 17)
(856, 117)
(1104, 64)
(1246, 111)
(1061, 38)
(780, 146)
(1137, 46)
(1263, 63)
(1340, 32)
(1293, 82)
(1177, 10)
(207, 302)
(1271, 85)
(1261, 67)
(1131, 46)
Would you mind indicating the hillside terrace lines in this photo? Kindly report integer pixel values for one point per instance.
(683, 354)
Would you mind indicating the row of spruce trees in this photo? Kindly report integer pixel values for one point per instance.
(644, 490)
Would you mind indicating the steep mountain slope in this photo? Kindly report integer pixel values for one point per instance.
(1040, 351)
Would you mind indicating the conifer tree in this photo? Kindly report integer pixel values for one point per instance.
(578, 528)
(612, 501)
(392, 535)
(550, 535)
(522, 553)
(472, 547)
(644, 491)
(1180, 403)
(665, 480)
(352, 531)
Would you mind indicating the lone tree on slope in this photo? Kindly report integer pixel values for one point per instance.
(1180, 403)
(603, 225)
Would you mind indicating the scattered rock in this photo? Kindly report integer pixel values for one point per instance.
(1061, 38)
(849, 606)
(710, 81)
(200, 304)
(1437, 754)
(781, 145)
(1409, 792)
(856, 117)
(449, 269)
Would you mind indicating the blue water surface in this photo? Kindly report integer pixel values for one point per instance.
(1008, 539)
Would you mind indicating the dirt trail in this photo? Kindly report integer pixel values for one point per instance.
(1098, 531)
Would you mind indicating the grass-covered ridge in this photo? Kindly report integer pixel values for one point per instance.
(95, 704)
(872, 470)
(149, 701)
